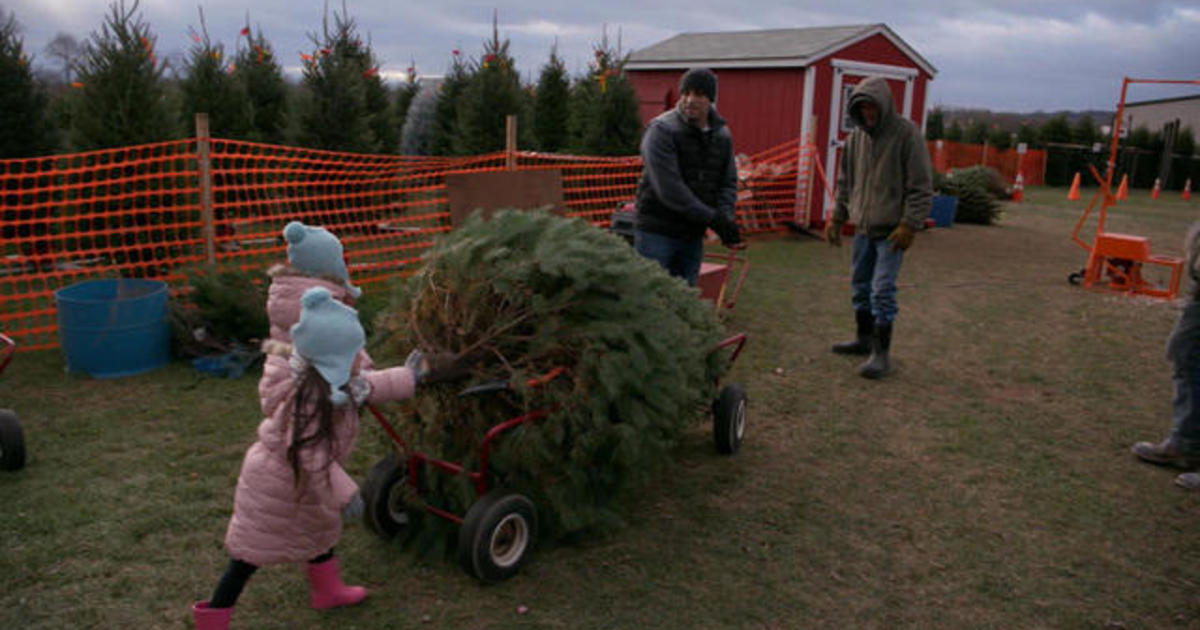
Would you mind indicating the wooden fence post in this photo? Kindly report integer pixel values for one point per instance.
(510, 142)
(206, 199)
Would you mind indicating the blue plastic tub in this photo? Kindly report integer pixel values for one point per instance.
(114, 328)
(944, 208)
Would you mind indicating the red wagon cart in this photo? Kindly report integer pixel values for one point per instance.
(12, 440)
(500, 527)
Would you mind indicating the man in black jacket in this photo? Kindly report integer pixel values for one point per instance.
(689, 180)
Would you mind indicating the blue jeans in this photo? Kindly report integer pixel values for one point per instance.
(873, 271)
(1185, 429)
(680, 257)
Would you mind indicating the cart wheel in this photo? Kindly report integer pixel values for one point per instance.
(12, 441)
(497, 533)
(1075, 277)
(729, 419)
(383, 495)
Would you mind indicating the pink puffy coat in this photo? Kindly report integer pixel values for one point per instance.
(274, 519)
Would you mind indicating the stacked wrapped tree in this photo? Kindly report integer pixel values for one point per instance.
(619, 355)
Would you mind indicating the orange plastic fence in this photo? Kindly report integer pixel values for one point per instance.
(164, 209)
(947, 154)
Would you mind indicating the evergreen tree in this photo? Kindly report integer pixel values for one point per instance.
(491, 95)
(977, 133)
(935, 124)
(26, 130)
(999, 138)
(1141, 137)
(122, 99)
(1029, 135)
(954, 133)
(604, 117)
(1057, 129)
(348, 107)
(445, 117)
(405, 96)
(257, 71)
(1185, 142)
(209, 87)
(550, 100)
(417, 135)
(1085, 132)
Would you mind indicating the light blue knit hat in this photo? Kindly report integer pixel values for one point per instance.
(328, 336)
(316, 251)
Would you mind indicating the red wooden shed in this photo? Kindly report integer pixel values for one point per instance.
(779, 85)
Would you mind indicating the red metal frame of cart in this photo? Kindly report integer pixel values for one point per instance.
(479, 477)
(721, 278)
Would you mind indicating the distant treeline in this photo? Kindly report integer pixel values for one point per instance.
(114, 90)
(1070, 140)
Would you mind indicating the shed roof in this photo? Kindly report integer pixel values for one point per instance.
(787, 47)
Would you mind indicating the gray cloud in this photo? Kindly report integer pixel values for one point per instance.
(1021, 55)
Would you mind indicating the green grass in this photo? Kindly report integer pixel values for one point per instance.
(986, 484)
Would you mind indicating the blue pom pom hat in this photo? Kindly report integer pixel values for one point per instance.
(328, 336)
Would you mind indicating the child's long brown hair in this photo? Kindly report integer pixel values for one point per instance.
(311, 405)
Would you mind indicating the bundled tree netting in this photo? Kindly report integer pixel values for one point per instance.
(526, 293)
(975, 188)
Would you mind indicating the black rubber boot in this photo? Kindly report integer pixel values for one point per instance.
(877, 365)
(862, 343)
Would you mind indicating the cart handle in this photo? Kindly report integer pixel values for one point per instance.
(738, 340)
(501, 385)
(10, 348)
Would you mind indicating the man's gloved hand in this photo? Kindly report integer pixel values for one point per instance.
(833, 233)
(901, 238)
(727, 229)
(354, 509)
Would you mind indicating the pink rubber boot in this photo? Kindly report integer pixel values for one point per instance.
(210, 618)
(328, 590)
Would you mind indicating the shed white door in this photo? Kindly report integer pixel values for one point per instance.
(846, 75)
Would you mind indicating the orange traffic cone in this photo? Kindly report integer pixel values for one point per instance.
(1018, 191)
(1073, 194)
(1187, 189)
(1123, 189)
(1157, 187)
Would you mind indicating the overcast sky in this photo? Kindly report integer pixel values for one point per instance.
(1004, 55)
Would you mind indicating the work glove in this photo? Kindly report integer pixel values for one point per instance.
(833, 233)
(354, 509)
(727, 229)
(901, 238)
(438, 367)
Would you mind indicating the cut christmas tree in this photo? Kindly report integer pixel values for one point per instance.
(527, 294)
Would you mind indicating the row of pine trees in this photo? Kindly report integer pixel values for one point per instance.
(121, 95)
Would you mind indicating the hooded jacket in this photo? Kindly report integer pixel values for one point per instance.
(688, 175)
(275, 519)
(885, 175)
(1183, 345)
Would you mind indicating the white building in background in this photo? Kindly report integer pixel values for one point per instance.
(1156, 115)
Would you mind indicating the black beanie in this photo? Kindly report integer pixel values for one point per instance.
(700, 80)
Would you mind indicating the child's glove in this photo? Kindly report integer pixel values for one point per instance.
(354, 509)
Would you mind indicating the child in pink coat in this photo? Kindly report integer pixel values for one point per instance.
(292, 490)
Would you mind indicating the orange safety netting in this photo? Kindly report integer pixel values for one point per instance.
(160, 210)
(947, 154)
